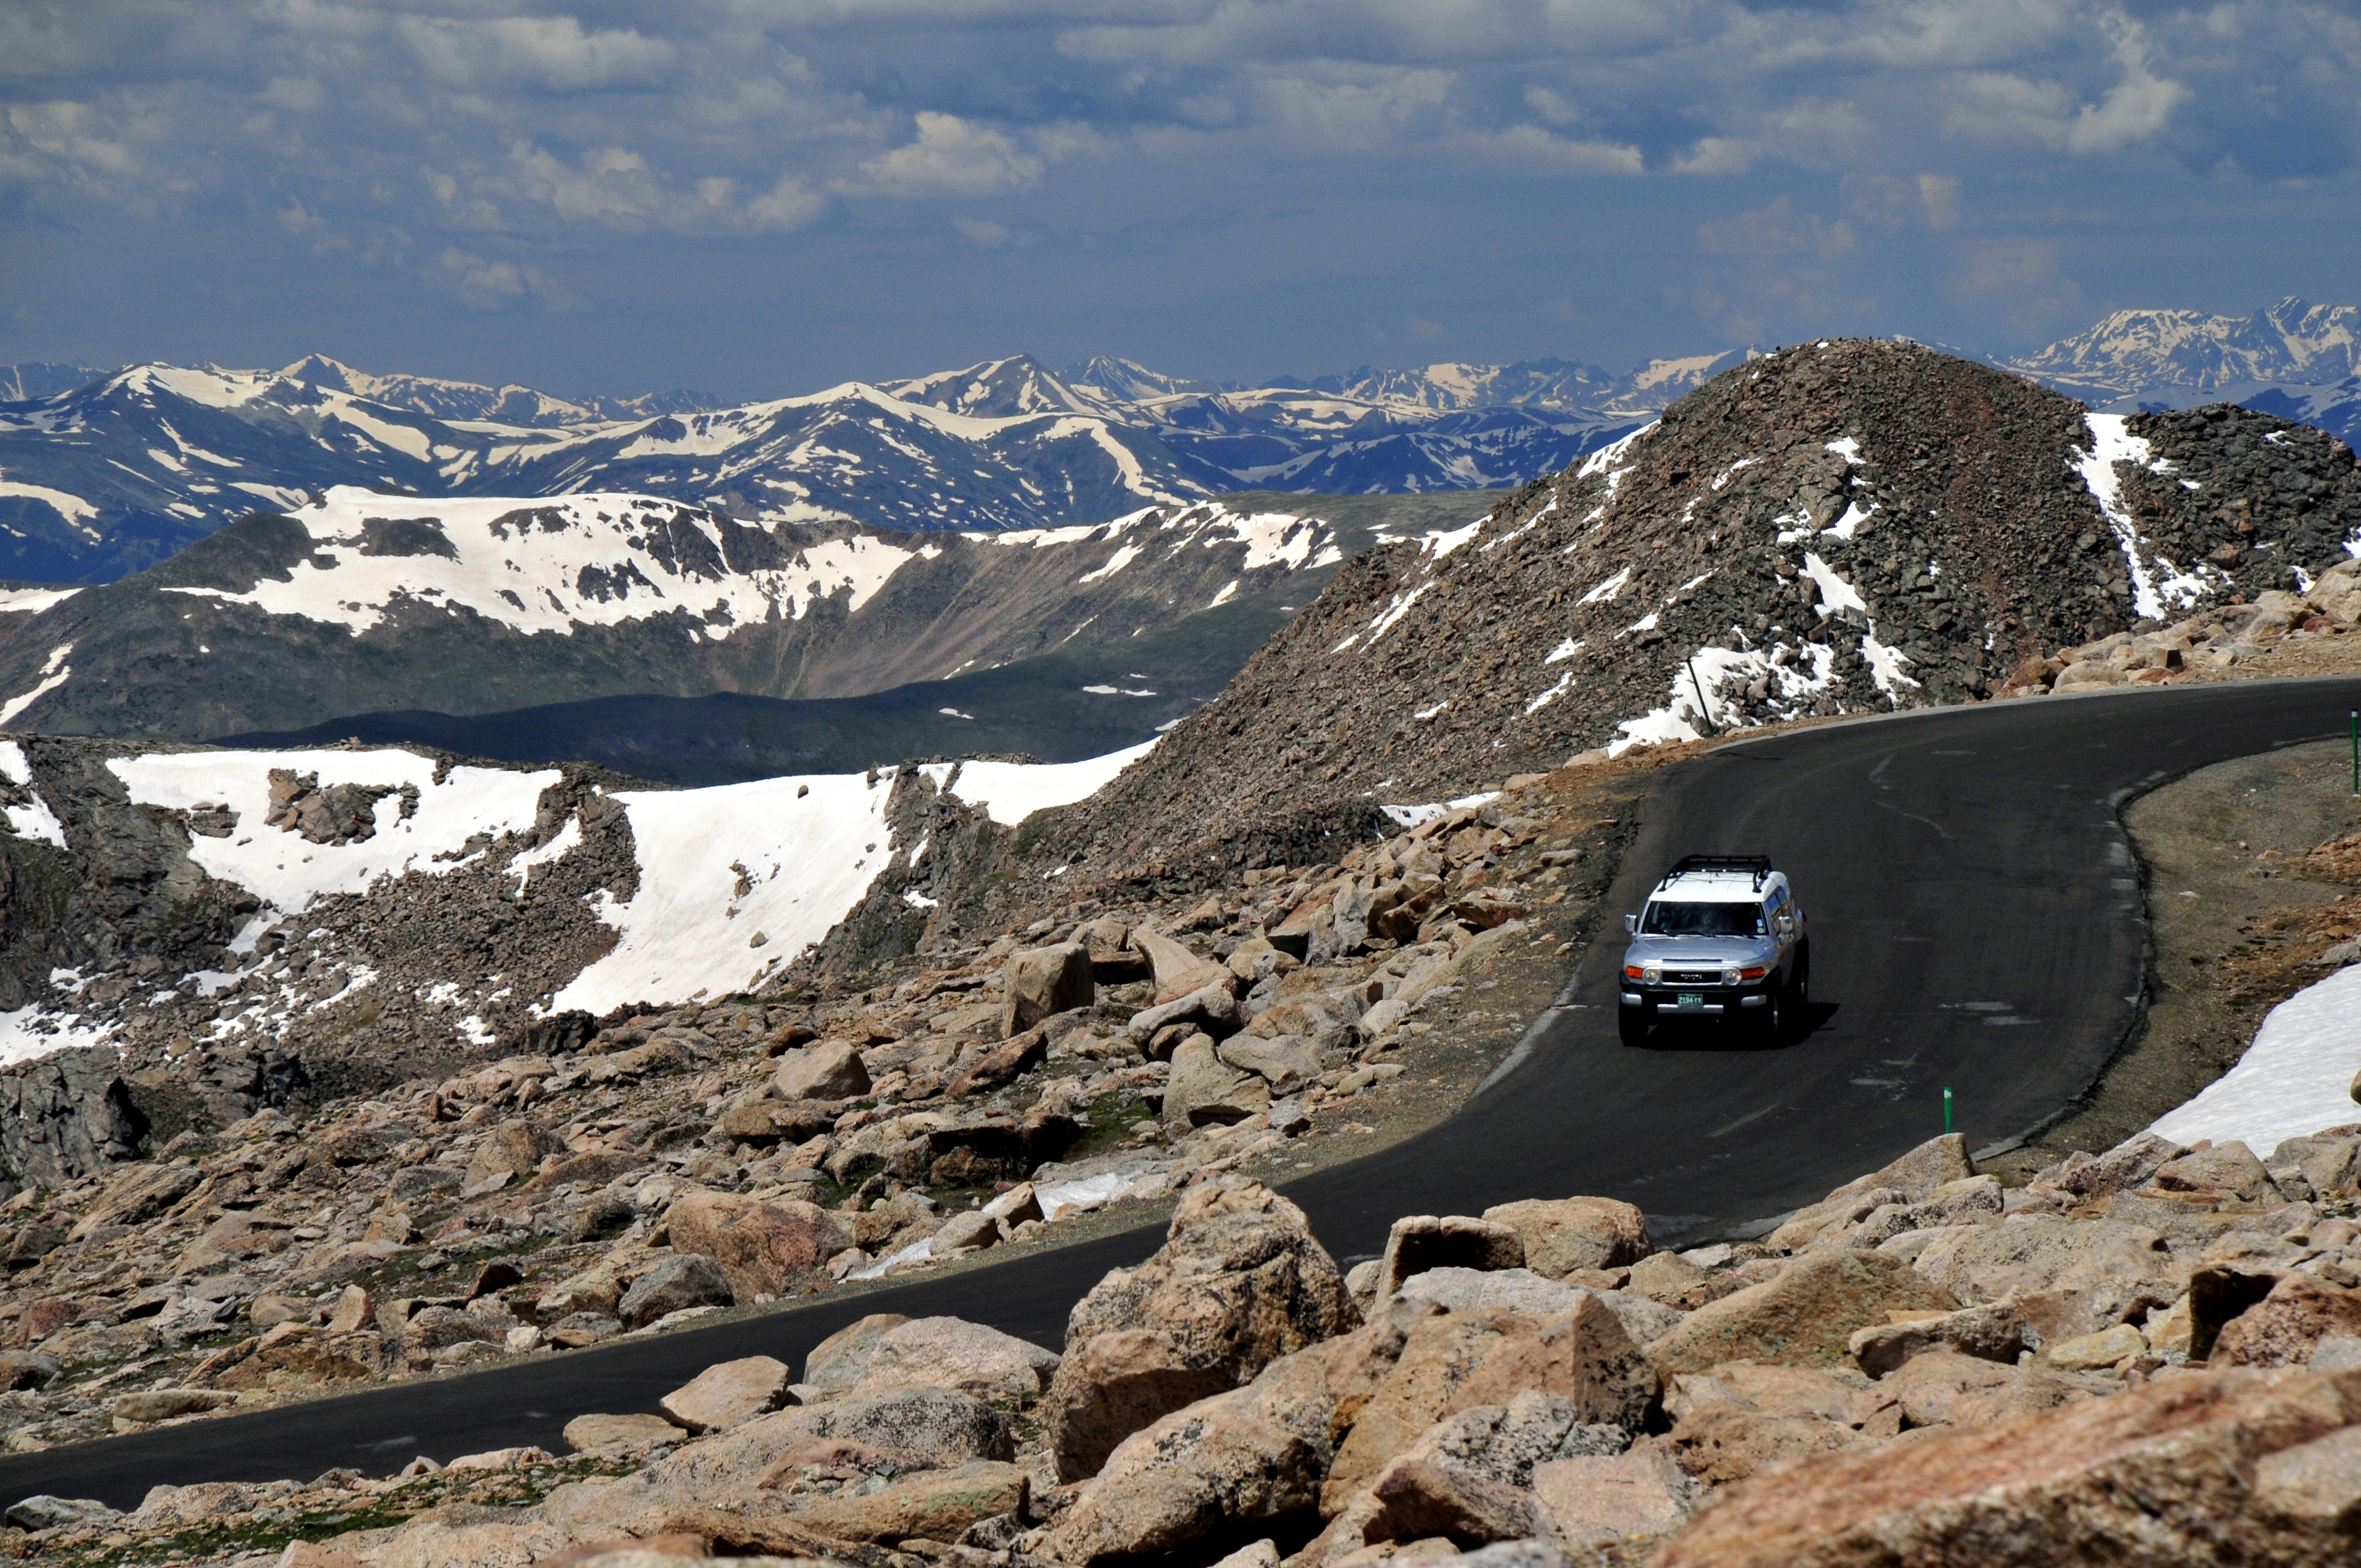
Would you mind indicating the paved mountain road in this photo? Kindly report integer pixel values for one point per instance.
(1976, 923)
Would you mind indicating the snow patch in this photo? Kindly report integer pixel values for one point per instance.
(36, 820)
(1011, 792)
(1411, 816)
(809, 846)
(2294, 1080)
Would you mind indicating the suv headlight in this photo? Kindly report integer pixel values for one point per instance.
(1654, 975)
(1730, 976)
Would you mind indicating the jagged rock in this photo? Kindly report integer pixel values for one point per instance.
(1040, 981)
(1459, 1360)
(1420, 1242)
(2215, 1468)
(836, 1363)
(585, 1434)
(1718, 1444)
(2067, 1276)
(1284, 1062)
(2284, 1327)
(1563, 1234)
(1623, 1500)
(2229, 1170)
(829, 1071)
(1204, 1090)
(1177, 971)
(1467, 1479)
(1994, 1333)
(950, 1353)
(2127, 1165)
(2096, 1351)
(1910, 1178)
(1805, 1315)
(678, 1282)
(763, 1248)
(1239, 1282)
(936, 1505)
(728, 1393)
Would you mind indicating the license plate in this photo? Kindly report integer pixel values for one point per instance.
(1688, 1001)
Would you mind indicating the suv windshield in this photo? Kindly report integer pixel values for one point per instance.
(1666, 918)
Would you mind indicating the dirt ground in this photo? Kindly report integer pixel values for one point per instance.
(2238, 913)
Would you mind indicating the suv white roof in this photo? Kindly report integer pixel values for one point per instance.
(1718, 887)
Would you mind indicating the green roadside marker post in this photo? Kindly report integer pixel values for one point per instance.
(2356, 751)
(1946, 1111)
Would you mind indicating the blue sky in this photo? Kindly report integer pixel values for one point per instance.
(757, 197)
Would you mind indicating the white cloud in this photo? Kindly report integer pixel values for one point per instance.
(950, 157)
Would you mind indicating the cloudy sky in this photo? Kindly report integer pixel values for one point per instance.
(758, 197)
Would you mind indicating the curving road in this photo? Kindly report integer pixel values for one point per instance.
(1977, 924)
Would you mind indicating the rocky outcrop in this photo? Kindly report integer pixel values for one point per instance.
(1239, 1282)
(2234, 1467)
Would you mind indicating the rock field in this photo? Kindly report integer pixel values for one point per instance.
(2151, 1354)
(671, 1163)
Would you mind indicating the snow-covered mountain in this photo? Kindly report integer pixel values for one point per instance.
(2133, 352)
(2296, 359)
(361, 602)
(121, 470)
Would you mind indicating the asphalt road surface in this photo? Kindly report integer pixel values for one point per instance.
(1976, 923)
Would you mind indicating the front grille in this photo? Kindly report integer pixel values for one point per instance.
(1692, 977)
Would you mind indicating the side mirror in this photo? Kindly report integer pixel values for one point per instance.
(1631, 924)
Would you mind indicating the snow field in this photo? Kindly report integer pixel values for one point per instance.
(592, 568)
(2295, 1079)
(804, 850)
(287, 871)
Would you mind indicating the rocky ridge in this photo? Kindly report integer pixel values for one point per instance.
(2154, 1344)
(359, 601)
(1854, 526)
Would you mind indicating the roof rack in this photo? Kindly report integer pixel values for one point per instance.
(1757, 866)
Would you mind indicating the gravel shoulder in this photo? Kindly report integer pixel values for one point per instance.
(2236, 914)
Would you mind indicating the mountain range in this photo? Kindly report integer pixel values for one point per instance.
(127, 468)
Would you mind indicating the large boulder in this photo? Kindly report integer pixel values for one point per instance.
(830, 1070)
(1417, 1243)
(836, 1363)
(2224, 1171)
(950, 1353)
(1177, 971)
(1203, 1089)
(934, 1504)
(728, 1393)
(1239, 1282)
(1912, 1178)
(1039, 982)
(2225, 1467)
(1459, 1360)
(674, 1285)
(1563, 1234)
(763, 1247)
(1806, 1315)
(1250, 1453)
(1467, 1479)
(2284, 1327)
(512, 1149)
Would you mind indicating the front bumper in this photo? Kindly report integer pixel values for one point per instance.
(1713, 1001)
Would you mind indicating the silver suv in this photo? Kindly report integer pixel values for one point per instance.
(1722, 937)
